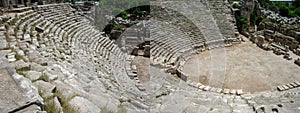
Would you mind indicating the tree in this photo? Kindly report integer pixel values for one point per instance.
(297, 11)
(284, 10)
(296, 3)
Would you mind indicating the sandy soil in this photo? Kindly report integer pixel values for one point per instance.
(243, 66)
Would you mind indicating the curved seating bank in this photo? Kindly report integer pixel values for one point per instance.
(53, 34)
(57, 49)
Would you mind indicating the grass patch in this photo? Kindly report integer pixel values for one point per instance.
(67, 108)
(44, 64)
(22, 70)
(7, 37)
(50, 106)
(38, 36)
(6, 48)
(43, 24)
(106, 110)
(19, 57)
(21, 73)
(13, 21)
(43, 78)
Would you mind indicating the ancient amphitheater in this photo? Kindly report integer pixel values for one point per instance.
(52, 55)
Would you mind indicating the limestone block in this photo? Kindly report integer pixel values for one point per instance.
(46, 88)
(27, 37)
(239, 91)
(280, 88)
(11, 57)
(33, 75)
(11, 39)
(293, 84)
(32, 55)
(285, 87)
(226, 91)
(11, 32)
(232, 91)
(21, 53)
(84, 105)
(21, 64)
(298, 83)
(207, 88)
(198, 85)
(36, 67)
(57, 104)
(289, 85)
(213, 89)
(219, 90)
(3, 44)
(202, 87)
(2, 28)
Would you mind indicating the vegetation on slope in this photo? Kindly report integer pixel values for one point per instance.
(283, 9)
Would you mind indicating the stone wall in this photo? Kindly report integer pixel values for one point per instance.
(283, 34)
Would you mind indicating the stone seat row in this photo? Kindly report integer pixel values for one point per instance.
(288, 86)
(185, 26)
(158, 51)
(132, 73)
(214, 89)
(82, 36)
(165, 46)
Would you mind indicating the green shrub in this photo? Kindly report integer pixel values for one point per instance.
(296, 3)
(13, 21)
(236, 6)
(283, 10)
(50, 105)
(124, 15)
(297, 11)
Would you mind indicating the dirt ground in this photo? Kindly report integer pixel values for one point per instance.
(142, 64)
(243, 66)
